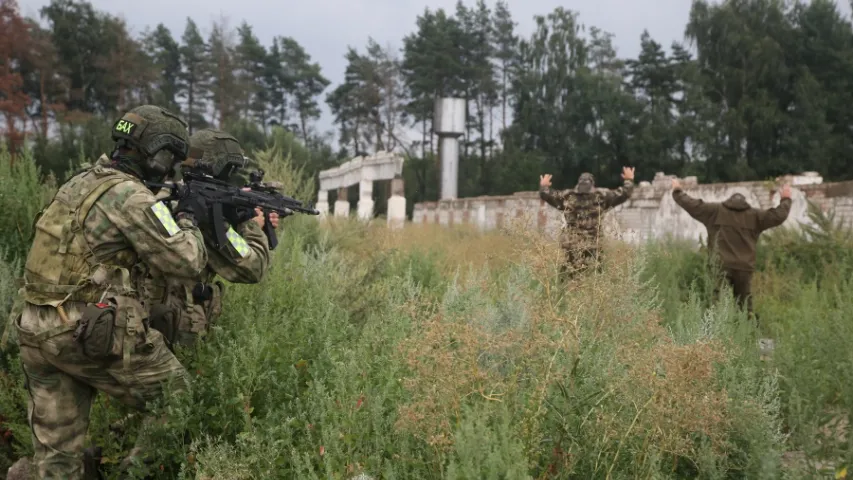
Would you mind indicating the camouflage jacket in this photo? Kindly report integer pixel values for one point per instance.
(245, 260)
(125, 228)
(582, 212)
(233, 266)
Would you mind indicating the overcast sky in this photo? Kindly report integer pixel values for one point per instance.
(326, 27)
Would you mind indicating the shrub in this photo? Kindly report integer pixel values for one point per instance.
(430, 352)
(14, 431)
(22, 194)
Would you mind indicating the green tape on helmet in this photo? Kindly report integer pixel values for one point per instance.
(129, 127)
(123, 126)
(160, 137)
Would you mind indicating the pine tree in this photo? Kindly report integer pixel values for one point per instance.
(165, 53)
(194, 78)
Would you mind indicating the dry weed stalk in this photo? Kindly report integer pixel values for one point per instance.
(448, 365)
(454, 360)
(456, 246)
(558, 329)
(658, 392)
(541, 256)
(680, 381)
(672, 388)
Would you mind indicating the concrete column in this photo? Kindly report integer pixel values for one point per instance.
(481, 217)
(342, 204)
(365, 200)
(322, 203)
(397, 204)
(443, 211)
(448, 122)
(449, 150)
(418, 213)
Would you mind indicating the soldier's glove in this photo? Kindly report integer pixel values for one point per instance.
(238, 215)
(195, 208)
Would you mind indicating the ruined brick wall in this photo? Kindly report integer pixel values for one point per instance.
(651, 213)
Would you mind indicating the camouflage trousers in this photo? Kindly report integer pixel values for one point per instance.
(579, 258)
(62, 383)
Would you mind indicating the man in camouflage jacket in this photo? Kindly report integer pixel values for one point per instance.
(184, 307)
(733, 230)
(583, 208)
(84, 326)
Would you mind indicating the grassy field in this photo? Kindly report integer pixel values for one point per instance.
(445, 353)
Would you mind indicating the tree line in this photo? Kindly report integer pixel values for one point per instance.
(758, 88)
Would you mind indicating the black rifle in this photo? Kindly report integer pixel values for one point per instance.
(219, 194)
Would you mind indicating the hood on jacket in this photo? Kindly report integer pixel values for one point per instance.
(737, 202)
(586, 183)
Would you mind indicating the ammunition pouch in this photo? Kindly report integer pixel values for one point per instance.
(96, 331)
(165, 320)
(187, 313)
(213, 304)
(113, 329)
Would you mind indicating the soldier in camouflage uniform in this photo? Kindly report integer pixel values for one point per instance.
(186, 306)
(83, 327)
(583, 208)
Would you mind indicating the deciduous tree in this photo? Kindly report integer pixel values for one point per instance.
(14, 47)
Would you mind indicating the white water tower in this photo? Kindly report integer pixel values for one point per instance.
(449, 124)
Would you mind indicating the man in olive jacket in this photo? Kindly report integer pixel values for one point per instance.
(733, 231)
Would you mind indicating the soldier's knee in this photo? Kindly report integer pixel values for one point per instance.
(62, 465)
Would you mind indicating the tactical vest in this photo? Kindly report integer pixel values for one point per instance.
(156, 287)
(61, 265)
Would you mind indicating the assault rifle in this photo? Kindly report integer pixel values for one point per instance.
(218, 194)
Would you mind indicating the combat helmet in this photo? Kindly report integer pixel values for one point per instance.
(157, 137)
(586, 183)
(220, 155)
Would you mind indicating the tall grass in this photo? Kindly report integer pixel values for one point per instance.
(449, 353)
(23, 192)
